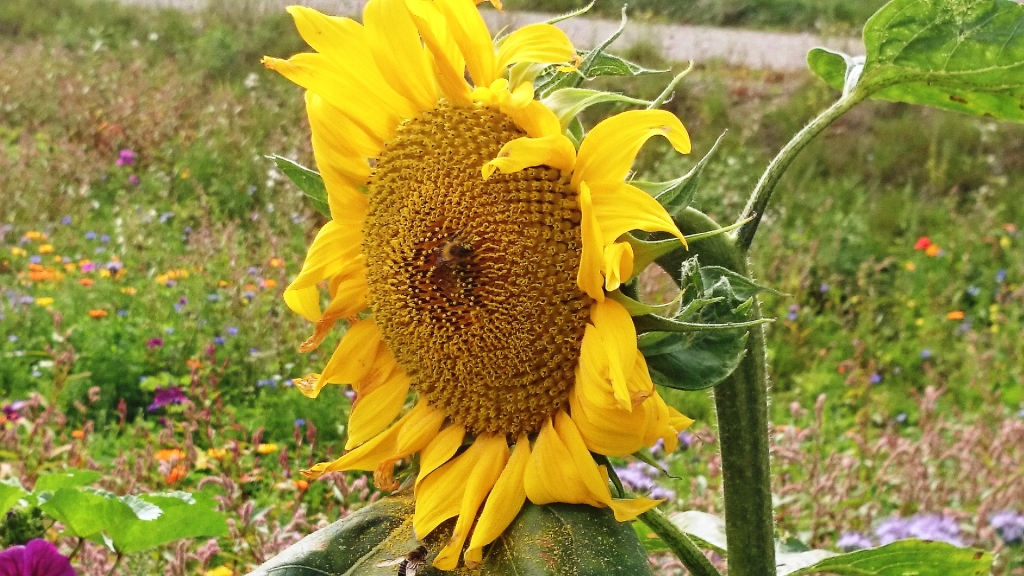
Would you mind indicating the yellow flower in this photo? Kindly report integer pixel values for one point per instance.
(484, 243)
(35, 235)
(46, 248)
(44, 301)
(18, 252)
(129, 290)
(266, 448)
(219, 571)
(933, 250)
(216, 453)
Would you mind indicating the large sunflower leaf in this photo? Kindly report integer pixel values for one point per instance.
(10, 493)
(166, 517)
(903, 557)
(962, 55)
(555, 539)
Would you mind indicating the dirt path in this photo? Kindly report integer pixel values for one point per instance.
(748, 48)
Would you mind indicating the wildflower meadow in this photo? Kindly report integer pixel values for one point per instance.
(156, 403)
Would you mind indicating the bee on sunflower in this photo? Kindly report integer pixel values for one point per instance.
(474, 251)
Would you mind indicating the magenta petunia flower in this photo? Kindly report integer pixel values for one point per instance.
(37, 558)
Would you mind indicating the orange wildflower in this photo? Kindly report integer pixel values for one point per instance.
(955, 315)
(86, 282)
(97, 313)
(79, 434)
(169, 454)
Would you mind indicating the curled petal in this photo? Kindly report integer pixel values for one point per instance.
(556, 151)
(608, 151)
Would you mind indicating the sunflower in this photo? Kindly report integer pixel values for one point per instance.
(472, 251)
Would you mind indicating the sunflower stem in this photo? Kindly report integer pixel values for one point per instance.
(769, 180)
(741, 403)
(680, 544)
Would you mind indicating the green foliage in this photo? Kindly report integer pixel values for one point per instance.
(20, 525)
(962, 55)
(705, 341)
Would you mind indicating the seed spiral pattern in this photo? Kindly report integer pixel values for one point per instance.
(473, 282)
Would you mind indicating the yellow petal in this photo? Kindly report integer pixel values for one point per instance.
(355, 356)
(536, 119)
(398, 52)
(491, 454)
(552, 474)
(449, 65)
(535, 43)
(608, 151)
(591, 258)
(470, 33)
(349, 295)
(440, 450)
(439, 496)
(424, 423)
(621, 207)
(377, 406)
(347, 89)
(556, 151)
(503, 504)
(333, 251)
(618, 264)
(618, 336)
(628, 510)
(380, 448)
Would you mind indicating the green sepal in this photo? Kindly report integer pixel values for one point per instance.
(593, 64)
(553, 539)
(308, 180)
(602, 460)
(644, 455)
(676, 195)
(961, 55)
(567, 103)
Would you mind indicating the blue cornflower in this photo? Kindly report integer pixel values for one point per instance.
(66, 220)
(1001, 275)
(90, 235)
(231, 330)
(876, 378)
(926, 353)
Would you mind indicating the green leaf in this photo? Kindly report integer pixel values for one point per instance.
(719, 281)
(830, 66)
(905, 557)
(162, 518)
(309, 181)
(68, 479)
(707, 530)
(651, 542)
(569, 102)
(962, 55)
(556, 539)
(86, 512)
(693, 361)
(10, 493)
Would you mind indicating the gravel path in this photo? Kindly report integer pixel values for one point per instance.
(736, 47)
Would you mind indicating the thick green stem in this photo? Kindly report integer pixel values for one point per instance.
(766, 185)
(741, 402)
(680, 544)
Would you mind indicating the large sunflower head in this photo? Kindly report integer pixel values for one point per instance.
(471, 251)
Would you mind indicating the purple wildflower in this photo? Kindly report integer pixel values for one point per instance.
(37, 558)
(1001, 276)
(249, 295)
(90, 235)
(876, 378)
(685, 439)
(266, 382)
(154, 342)
(105, 238)
(166, 396)
(11, 411)
(253, 271)
(853, 541)
(35, 259)
(66, 220)
(231, 330)
(133, 180)
(87, 267)
(901, 418)
(126, 158)
(792, 316)
(254, 351)
(219, 340)
(114, 266)
(924, 526)
(1010, 526)
(926, 353)
(300, 422)
(823, 288)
